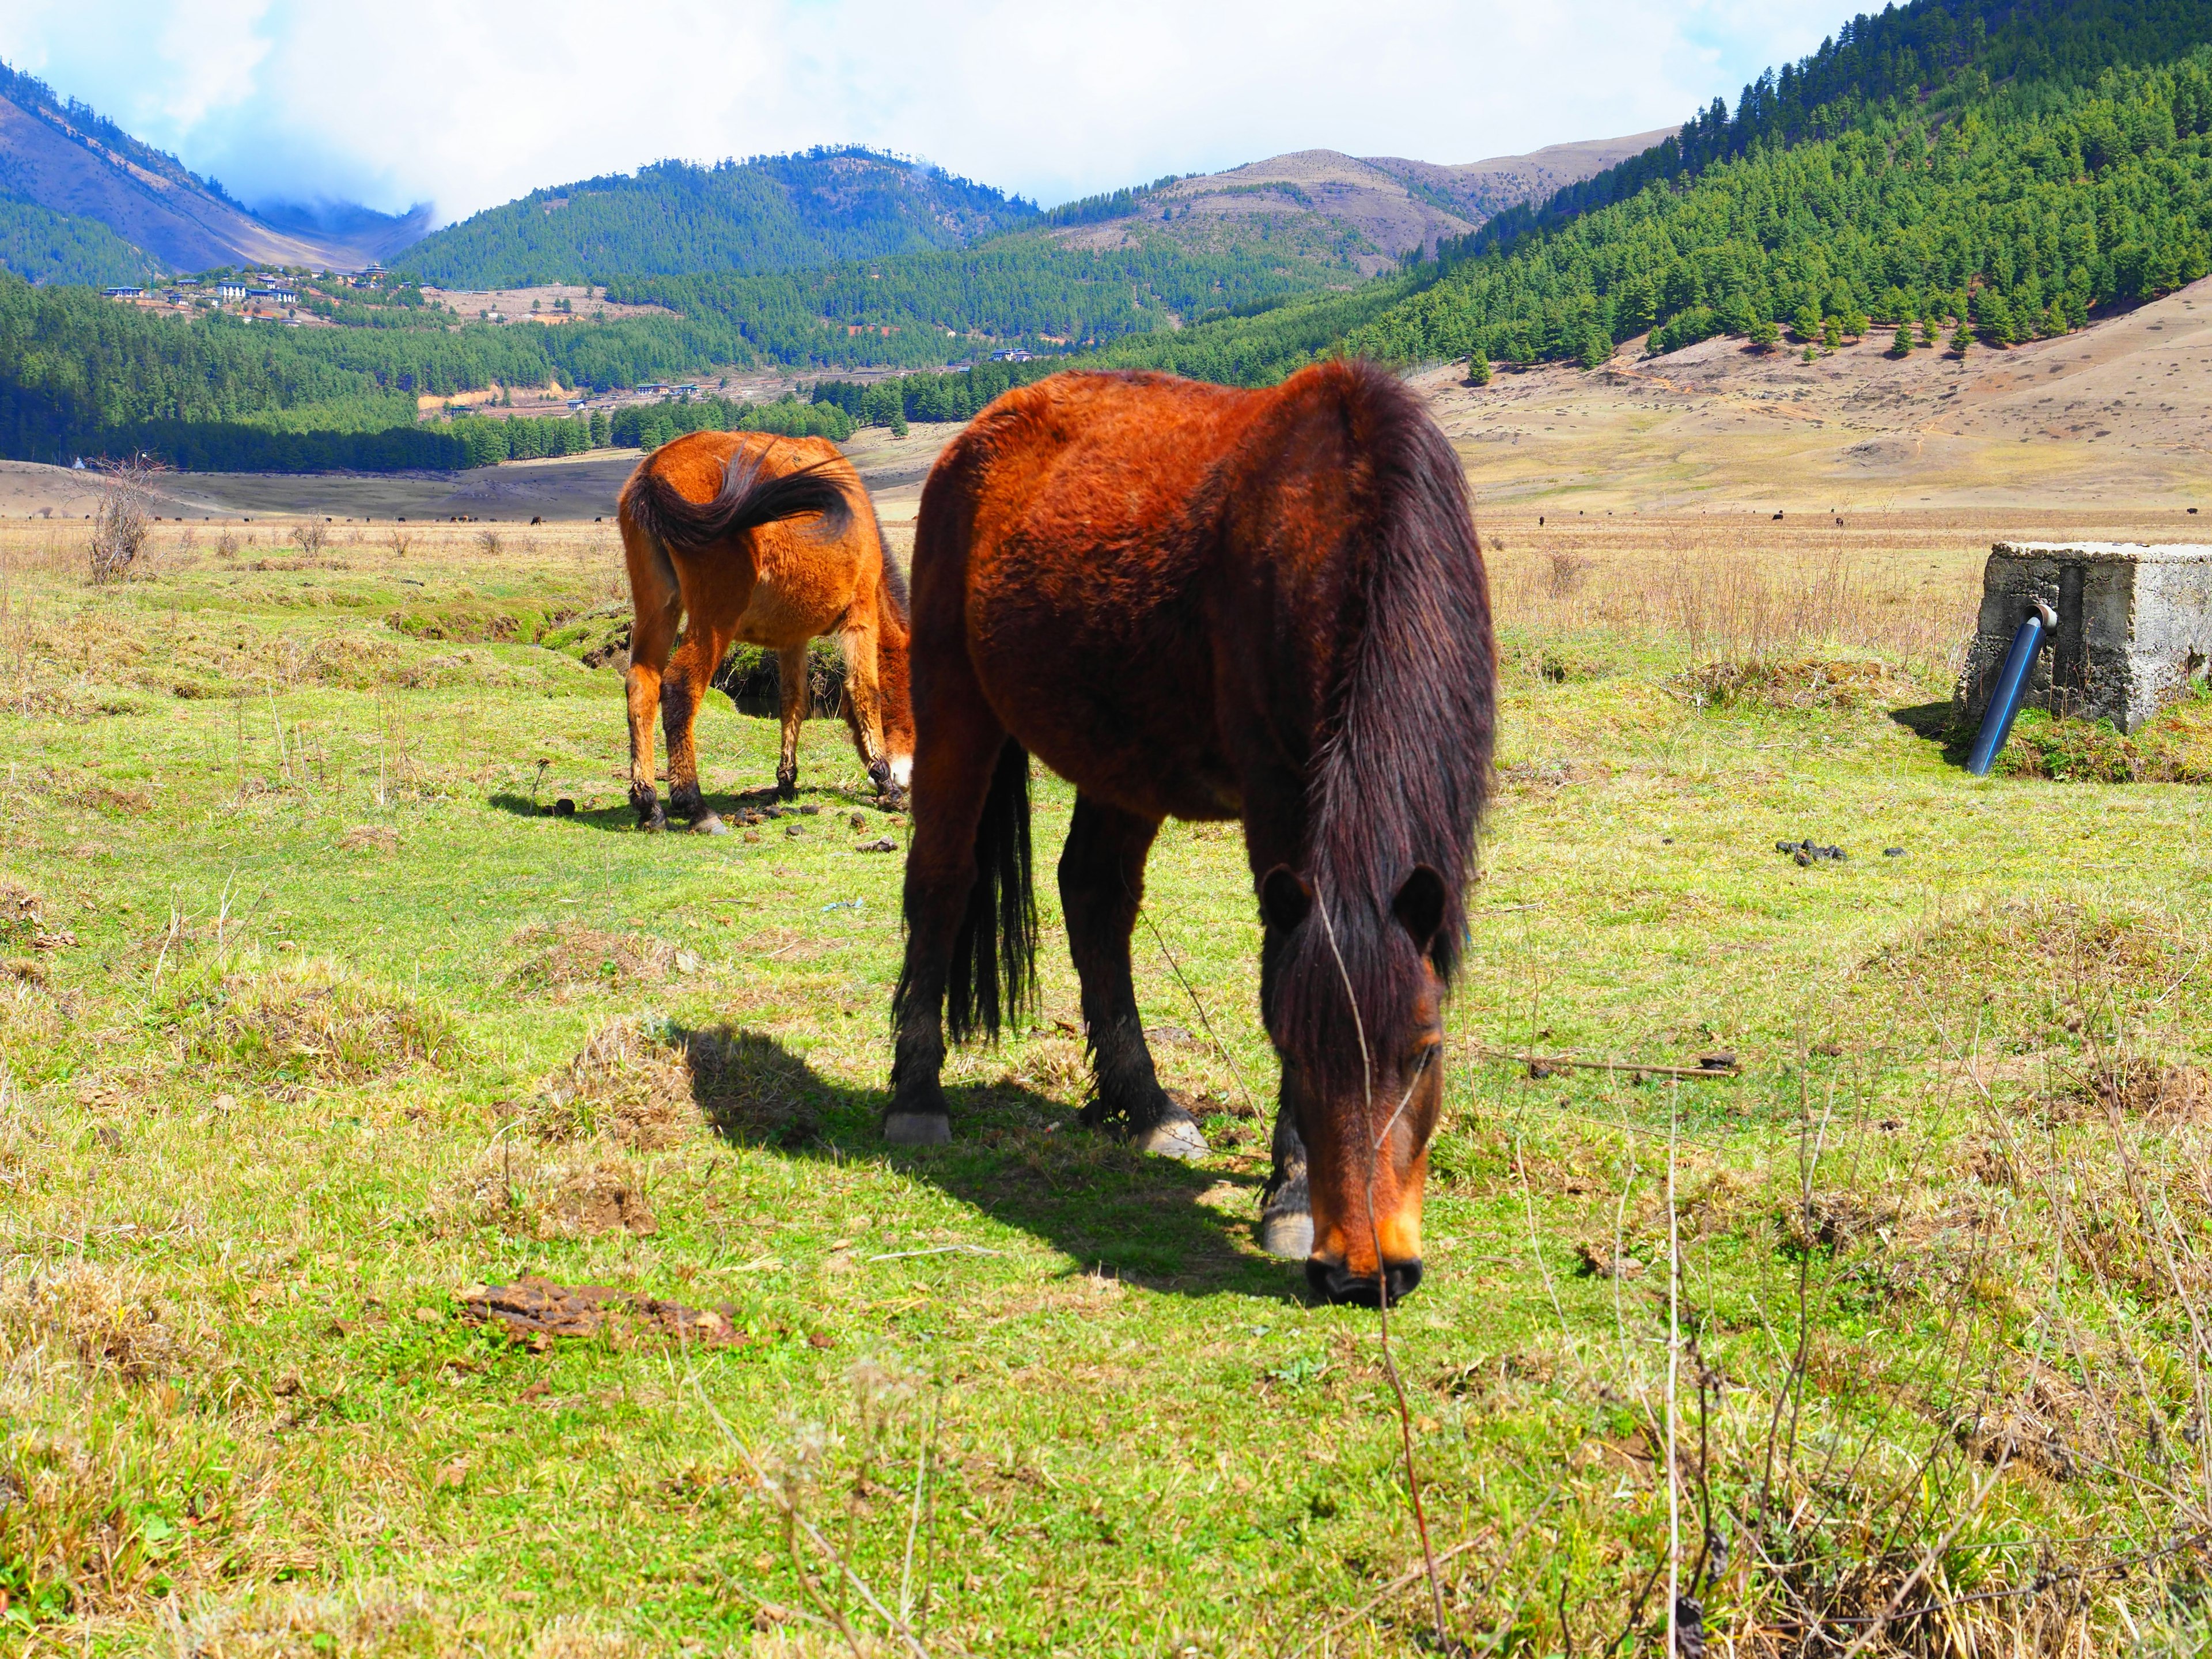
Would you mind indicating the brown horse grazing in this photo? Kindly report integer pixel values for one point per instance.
(711, 530)
(1201, 603)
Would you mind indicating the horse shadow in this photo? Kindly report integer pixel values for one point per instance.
(1937, 723)
(620, 816)
(1018, 1155)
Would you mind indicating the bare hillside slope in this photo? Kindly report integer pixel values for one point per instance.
(1371, 212)
(2118, 413)
(55, 158)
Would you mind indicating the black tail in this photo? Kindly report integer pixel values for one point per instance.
(750, 497)
(994, 974)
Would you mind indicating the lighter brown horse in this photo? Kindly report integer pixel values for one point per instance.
(715, 529)
(1199, 602)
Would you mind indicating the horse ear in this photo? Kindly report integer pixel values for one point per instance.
(1284, 899)
(1420, 906)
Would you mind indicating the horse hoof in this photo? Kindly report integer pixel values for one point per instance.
(916, 1129)
(710, 824)
(1287, 1234)
(1174, 1137)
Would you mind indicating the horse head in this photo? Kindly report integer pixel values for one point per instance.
(1355, 1007)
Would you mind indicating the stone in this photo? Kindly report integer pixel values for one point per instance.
(2135, 627)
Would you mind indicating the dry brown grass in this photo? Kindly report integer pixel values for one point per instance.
(314, 1020)
(1735, 590)
(107, 1320)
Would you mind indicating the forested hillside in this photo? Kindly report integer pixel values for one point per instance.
(2015, 167)
(42, 245)
(1015, 291)
(771, 213)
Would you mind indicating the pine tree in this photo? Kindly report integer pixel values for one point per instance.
(1763, 333)
(1927, 331)
(1478, 368)
(1962, 339)
(1902, 345)
(1831, 333)
(1806, 322)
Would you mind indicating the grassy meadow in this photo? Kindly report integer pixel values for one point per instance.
(317, 1025)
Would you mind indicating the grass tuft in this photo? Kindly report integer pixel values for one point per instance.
(313, 1020)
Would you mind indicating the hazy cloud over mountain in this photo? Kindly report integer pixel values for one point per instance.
(467, 106)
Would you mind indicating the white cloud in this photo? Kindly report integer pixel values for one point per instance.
(469, 105)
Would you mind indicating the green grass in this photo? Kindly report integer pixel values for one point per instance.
(305, 1036)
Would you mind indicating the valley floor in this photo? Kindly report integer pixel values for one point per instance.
(316, 1027)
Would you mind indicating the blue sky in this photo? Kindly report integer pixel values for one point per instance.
(468, 105)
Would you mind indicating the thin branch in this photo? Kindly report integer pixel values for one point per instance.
(1382, 1277)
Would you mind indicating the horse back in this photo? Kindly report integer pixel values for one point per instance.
(782, 582)
(1152, 577)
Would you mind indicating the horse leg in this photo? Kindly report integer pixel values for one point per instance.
(796, 690)
(1102, 882)
(658, 607)
(1285, 1210)
(864, 705)
(953, 767)
(690, 673)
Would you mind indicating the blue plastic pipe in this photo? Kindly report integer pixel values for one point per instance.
(2012, 685)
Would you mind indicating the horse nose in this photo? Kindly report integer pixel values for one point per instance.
(1340, 1284)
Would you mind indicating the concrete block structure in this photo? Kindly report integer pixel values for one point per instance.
(2135, 627)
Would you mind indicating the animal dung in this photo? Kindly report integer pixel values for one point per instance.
(1810, 852)
(564, 808)
(859, 821)
(1893, 851)
(884, 845)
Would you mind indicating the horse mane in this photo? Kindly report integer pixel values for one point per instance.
(752, 496)
(1401, 773)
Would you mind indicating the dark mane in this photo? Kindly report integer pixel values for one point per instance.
(1402, 774)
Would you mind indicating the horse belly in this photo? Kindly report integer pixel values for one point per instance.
(1116, 698)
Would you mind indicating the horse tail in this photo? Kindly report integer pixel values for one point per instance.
(995, 953)
(750, 496)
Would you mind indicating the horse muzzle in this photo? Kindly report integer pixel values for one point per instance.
(1338, 1282)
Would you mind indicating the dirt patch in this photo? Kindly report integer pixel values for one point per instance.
(536, 1311)
(518, 1190)
(370, 838)
(2033, 951)
(2157, 1091)
(629, 1085)
(316, 1020)
(568, 955)
(1803, 683)
(21, 921)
